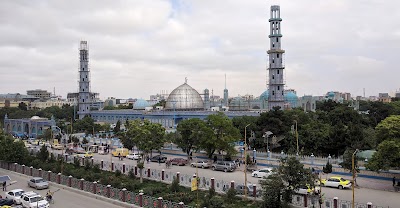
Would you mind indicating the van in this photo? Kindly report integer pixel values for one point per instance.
(120, 151)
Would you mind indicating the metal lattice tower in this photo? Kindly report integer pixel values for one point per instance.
(276, 65)
(84, 100)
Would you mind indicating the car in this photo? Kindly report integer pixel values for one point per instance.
(88, 154)
(33, 200)
(337, 182)
(224, 165)
(179, 161)
(249, 190)
(15, 195)
(133, 156)
(57, 146)
(163, 158)
(38, 183)
(200, 164)
(307, 189)
(261, 173)
(8, 202)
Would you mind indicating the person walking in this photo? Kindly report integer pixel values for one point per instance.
(4, 186)
(119, 156)
(394, 180)
(159, 161)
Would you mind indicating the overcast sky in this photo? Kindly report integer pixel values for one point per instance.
(142, 47)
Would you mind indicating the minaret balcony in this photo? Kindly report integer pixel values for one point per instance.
(275, 35)
(275, 50)
(275, 19)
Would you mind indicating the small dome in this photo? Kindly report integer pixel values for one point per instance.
(184, 97)
(289, 96)
(331, 94)
(35, 118)
(264, 95)
(141, 104)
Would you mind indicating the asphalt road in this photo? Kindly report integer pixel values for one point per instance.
(362, 195)
(63, 198)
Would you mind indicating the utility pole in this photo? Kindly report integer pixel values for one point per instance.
(245, 160)
(354, 175)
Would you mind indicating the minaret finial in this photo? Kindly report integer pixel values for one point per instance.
(225, 81)
(186, 80)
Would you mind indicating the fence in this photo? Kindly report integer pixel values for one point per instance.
(108, 191)
(205, 183)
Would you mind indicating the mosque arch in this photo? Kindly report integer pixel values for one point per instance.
(26, 128)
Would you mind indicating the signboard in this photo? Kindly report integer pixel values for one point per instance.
(194, 184)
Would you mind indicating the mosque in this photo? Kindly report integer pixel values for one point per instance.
(184, 102)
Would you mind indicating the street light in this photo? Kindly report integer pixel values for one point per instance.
(62, 144)
(245, 159)
(266, 136)
(297, 139)
(354, 175)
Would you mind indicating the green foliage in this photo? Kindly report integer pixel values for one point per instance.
(347, 160)
(11, 151)
(85, 141)
(191, 132)
(131, 174)
(230, 195)
(279, 187)
(22, 106)
(43, 154)
(117, 127)
(118, 173)
(327, 168)
(388, 128)
(386, 157)
(146, 135)
(248, 160)
(175, 185)
(77, 162)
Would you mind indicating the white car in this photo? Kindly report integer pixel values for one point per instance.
(265, 172)
(133, 156)
(33, 200)
(15, 195)
(200, 164)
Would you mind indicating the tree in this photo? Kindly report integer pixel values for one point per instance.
(192, 131)
(327, 168)
(22, 106)
(43, 154)
(221, 136)
(347, 160)
(117, 127)
(280, 186)
(12, 151)
(145, 135)
(386, 157)
(388, 128)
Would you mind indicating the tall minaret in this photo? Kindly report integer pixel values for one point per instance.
(84, 100)
(276, 66)
(225, 94)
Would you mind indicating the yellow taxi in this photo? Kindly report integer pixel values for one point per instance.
(88, 154)
(337, 182)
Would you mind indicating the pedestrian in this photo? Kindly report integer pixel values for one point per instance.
(215, 158)
(159, 160)
(394, 180)
(4, 186)
(119, 156)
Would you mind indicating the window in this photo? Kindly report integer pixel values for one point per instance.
(273, 76)
(273, 61)
(277, 39)
(278, 87)
(273, 92)
(277, 55)
(83, 100)
(278, 71)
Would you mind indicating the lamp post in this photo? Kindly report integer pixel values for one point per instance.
(245, 159)
(62, 146)
(266, 136)
(297, 139)
(354, 175)
(312, 159)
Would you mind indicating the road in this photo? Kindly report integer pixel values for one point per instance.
(62, 198)
(362, 195)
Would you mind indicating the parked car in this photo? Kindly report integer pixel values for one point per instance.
(200, 164)
(88, 155)
(33, 200)
(4, 202)
(38, 183)
(163, 158)
(179, 161)
(133, 156)
(15, 195)
(224, 165)
(307, 189)
(264, 172)
(249, 190)
(337, 182)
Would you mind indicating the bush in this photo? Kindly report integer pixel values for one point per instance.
(96, 168)
(77, 162)
(328, 168)
(131, 174)
(231, 195)
(118, 173)
(175, 185)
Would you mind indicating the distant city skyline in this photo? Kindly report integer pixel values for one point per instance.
(141, 48)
